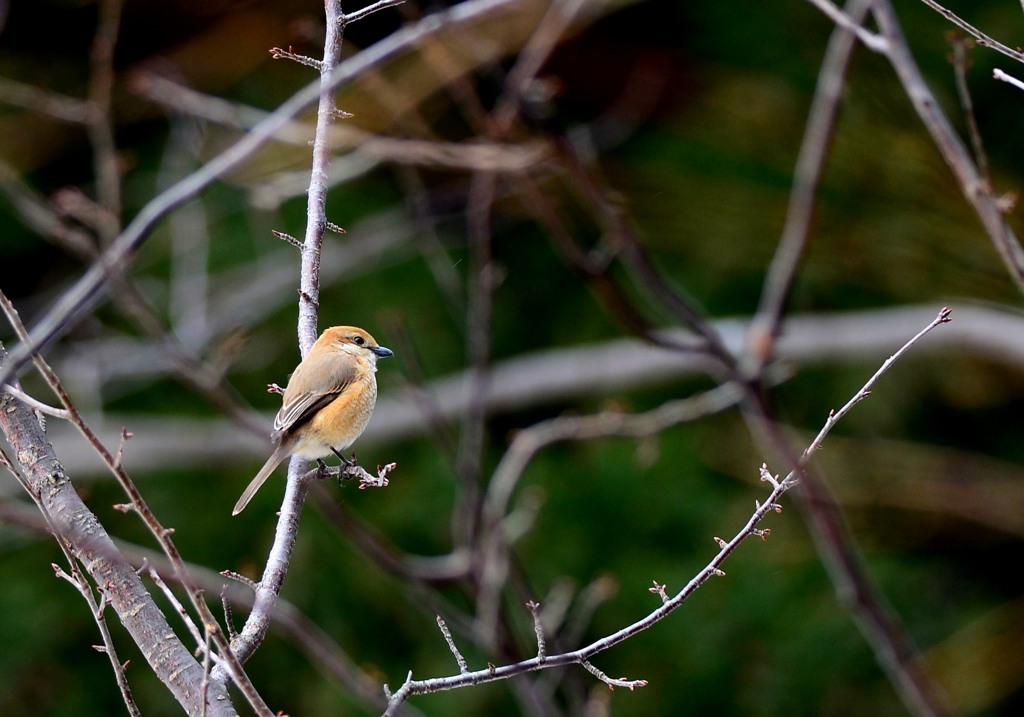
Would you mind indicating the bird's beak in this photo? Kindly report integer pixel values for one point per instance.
(382, 352)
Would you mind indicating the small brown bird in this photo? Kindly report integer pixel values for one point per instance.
(328, 401)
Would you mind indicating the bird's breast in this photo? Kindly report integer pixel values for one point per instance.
(338, 424)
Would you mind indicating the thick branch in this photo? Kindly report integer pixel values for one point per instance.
(77, 527)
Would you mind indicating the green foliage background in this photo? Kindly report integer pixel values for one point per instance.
(705, 174)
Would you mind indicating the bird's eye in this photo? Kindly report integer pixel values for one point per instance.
(358, 340)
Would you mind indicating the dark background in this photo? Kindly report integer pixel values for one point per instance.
(703, 105)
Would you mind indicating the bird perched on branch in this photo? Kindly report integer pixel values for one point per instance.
(328, 401)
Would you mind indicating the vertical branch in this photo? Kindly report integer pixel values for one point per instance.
(479, 305)
(316, 207)
(255, 629)
(252, 634)
(101, 123)
(960, 63)
(482, 281)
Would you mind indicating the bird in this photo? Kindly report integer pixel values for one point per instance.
(328, 401)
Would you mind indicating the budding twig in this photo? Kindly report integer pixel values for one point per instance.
(459, 659)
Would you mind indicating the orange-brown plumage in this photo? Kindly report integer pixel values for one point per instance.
(328, 401)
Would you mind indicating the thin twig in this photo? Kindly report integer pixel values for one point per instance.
(98, 609)
(202, 640)
(45, 102)
(583, 655)
(611, 681)
(1000, 75)
(369, 9)
(287, 238)
(960, 63)
(459, 659)
(101, 125)
(279, 54)
(987, 206)
(538, 629)
(840, 18)
(983, 39)
(943, 317)
(35, 403)
(879, 625)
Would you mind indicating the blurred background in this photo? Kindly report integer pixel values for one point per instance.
(691, 115)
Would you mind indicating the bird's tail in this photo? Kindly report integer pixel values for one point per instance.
(279, 454)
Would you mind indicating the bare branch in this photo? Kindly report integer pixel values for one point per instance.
(613, 682)
(987, 206)
(98, 609)
(100, 127)
(538, 629)
(943, 317)
(880, 626)
(34, 403)
(583, 655)
(84, 295)
(50, 487)
(278, 54)
(162, 534)
(363, 12)
(50, 104)
(960, 64)
(983, 39)
(810, 165)
(287, 238)
(1000, 75)
(845, 21)
(459, 659)
(269, 586)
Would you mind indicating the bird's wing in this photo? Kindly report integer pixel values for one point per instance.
(315, 383)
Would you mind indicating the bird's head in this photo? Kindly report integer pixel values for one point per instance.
(355, 341)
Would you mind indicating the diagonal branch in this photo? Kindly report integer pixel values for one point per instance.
(668, 604)
(77, 301)
(150, 642)
(810, 166)
(893, 647)
(76, 526)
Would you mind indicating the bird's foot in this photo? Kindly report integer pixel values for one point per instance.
(347, 463)
(322, 469)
